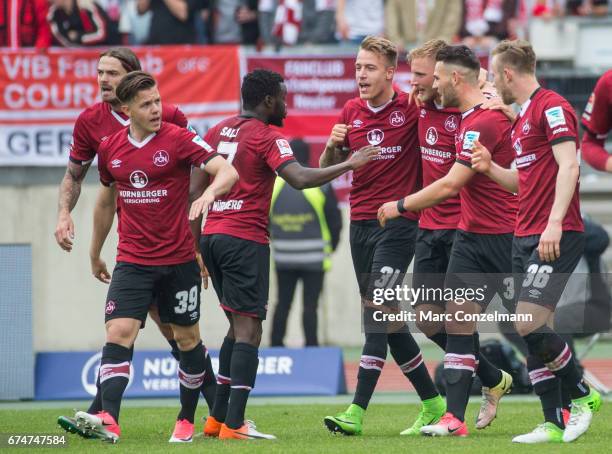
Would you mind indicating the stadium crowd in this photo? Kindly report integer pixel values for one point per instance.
(69, 23)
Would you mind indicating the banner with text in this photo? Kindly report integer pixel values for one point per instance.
(42, 94)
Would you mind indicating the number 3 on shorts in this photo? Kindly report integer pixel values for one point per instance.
(187, 301)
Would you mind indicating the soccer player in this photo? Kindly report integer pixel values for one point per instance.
(235, 237)
(548, 238)
(144, 171)
(437, 225)
(483, 240)
(597, 122)
(94, 124)
(380, 116)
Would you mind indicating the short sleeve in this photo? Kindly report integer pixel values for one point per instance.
(558, 121)
(597, 118)
(105, 176)
(81, 149)
(176, 116)
(193, 149)
(278, 152)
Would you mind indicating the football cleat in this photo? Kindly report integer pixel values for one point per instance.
(102, 425)
(448, 425)
(70, 425)
(543, 433)
(581, 414)
(212, 427)
(248, 431)
(183, 432)
(348, 422)
(431, 411)
(490, 400)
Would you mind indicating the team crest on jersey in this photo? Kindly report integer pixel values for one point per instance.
(116, 163)
(110, 307)
(397, 118)
(518, 148)
(555, 116)
(284, 147)
(469, 138)
(161, 158)
(357, 123)
(375, 136)
(139, 179)
(451, 123)
(526, 127)
(431, 137)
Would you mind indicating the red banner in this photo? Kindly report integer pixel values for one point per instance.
(42, 94)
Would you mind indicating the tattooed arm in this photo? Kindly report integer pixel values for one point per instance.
(70, 190)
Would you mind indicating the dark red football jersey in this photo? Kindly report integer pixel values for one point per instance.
(152, 182)
(100, 121)
(486, 207)
(437, 130)
(545, 120)
(257, 152)
(597, 115)
(396, 172)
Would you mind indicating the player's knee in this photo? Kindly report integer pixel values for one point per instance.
(524, 328)
(166, 330)
(428, 327)
(455, 326)
(121, 331)
(187, 338)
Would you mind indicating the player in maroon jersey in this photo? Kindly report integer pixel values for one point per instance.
(235, 237)
(438, 224)
(145, 171)
(483, 239)
(94, 124)
(548, 238)
(381, 116)
(597, 122)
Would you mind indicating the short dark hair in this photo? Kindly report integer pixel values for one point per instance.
(126, 56)
(258, 84)
(461, 56)
(132, 83)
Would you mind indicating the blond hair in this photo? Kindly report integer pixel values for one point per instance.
(382, 47)
(428, 50)
(517, 54)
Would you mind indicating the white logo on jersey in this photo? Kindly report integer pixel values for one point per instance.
(357, 123)
(161, 158)
(518, 148)
(451, 123)
(199, 141)
(397, 118)
(555, 116)
(469, 138)
(139, 179)
(375, 136)
(423, 112)
(284, 147)
(526, 127)
(431, 137)
(116, 163)
(589, 107)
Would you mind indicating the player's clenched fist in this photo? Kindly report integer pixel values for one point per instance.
(362, 156)
(338, 135)
(481, 158)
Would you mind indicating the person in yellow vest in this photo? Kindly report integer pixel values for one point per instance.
(305, 229)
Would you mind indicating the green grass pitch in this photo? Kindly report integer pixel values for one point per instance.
(299, 428)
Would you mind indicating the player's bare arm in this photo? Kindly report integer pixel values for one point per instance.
(335, 152)
(198, 182)
(482, 163)
(225, 177)
(305, 177)
(567, 177)
(439, 191)
(104, 214)
(70, 190)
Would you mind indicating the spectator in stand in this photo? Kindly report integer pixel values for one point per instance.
(81, 23)
(203, 23)
(444, 20)
(400, 22)
(236, 22)
(587, 7)
(29, 19)
(134, 27)
(318, 22)
(246, 16)
(172, 21)
(487, 21)
(356, 19)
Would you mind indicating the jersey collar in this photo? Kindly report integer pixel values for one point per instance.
(145, 141)
(465, 114)
(119, 118)
(527, 103)
(382, 107)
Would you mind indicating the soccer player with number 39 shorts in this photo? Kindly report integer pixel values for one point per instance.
(437, 225)
(381, 116)
(235, 240)
(480, 256)
(597, 123)
(549, 234)
(145, 171)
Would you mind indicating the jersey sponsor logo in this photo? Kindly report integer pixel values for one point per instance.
(560, 130)
(284, 147)
(397, 118)
(161, 158)
(116, 163)
(555, 116)
(526, 127)
(469, 138)
(110, 307)
(199, 141)
(139, 179)
(431, 136)
(451, 123)
(224, 205)
(357, 123)
(375, 137)
(518, 148)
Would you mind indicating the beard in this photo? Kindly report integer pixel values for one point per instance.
(449, 98)
(506, 96)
